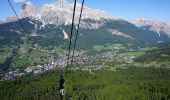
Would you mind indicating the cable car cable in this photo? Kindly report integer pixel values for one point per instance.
(71, 36)
(82, 6)
(62, 91)
(25, 31)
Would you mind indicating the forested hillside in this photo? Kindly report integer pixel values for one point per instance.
(129, 83)
(160, 54)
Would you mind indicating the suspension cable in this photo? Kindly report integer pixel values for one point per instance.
(75, 43)
(71, 36)
(25, 31)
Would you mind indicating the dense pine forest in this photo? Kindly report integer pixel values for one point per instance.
(128, 83)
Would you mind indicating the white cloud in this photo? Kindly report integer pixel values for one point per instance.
(19, 1)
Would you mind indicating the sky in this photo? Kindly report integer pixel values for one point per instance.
(127, 9)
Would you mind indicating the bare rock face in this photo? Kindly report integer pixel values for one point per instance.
(28, 10)
(153, 25)
(61, 12)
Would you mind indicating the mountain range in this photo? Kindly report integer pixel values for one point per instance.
(50, 25)
(153, 25)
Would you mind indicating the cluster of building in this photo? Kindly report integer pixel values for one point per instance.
(61, 62)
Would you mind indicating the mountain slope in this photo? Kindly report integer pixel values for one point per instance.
(92, 33)
(40, 21)
(161, 28)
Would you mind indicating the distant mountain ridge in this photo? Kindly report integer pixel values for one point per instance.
(60, 12)
(50, 25)
(153, 25)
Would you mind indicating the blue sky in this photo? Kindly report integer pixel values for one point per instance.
(128, 9)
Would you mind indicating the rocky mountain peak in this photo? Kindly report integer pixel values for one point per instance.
(62, 4)
(153, 25)
(60, 12)
(28, 10)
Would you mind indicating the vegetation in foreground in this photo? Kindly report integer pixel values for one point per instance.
(128, 83)
(114, 83)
